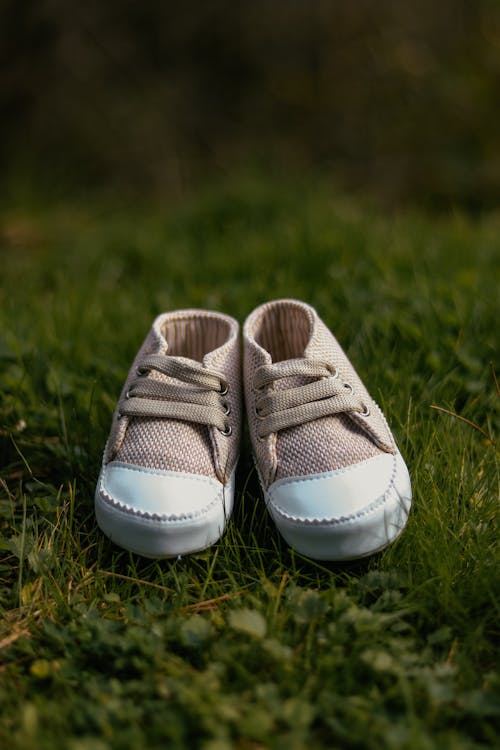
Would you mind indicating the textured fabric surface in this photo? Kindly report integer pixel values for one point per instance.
(172, 444)
(294, 405)
(190, 392)
(328, 443)
(325, 445)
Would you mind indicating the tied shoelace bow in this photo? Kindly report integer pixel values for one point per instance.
(279, 409)
(197, 397)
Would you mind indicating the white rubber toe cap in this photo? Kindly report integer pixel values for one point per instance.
(160, 513)
(344, 514)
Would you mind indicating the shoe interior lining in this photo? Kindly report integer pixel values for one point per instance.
(194, 337)
(284, 331)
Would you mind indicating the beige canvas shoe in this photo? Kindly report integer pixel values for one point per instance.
(333, 479)
(166, 485)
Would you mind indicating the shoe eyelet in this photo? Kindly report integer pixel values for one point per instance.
(224, 388)
(334, 372)
(142, 371)
(226, 431)
(226, 408)
(257, 413)
(127, 395)
(349, 387)
(366, 411)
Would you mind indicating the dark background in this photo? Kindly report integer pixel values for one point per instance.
(400, 99)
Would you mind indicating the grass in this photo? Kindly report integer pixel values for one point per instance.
(247, 645)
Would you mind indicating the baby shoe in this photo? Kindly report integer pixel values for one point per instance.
(166, 485)
(334, 481)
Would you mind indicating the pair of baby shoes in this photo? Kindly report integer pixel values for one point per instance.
(333, 479)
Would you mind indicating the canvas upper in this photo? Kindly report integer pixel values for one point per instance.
(164, 475)
(327, 471)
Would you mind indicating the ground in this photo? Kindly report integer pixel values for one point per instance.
(247, 645)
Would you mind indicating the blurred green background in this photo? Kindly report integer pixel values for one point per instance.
(398, 99)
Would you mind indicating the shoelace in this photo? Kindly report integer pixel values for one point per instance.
(197, 397)
(279, 409)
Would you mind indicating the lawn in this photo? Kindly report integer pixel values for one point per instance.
(247, 645)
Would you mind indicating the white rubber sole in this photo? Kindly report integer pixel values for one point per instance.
(350, 537)
(156, 537)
